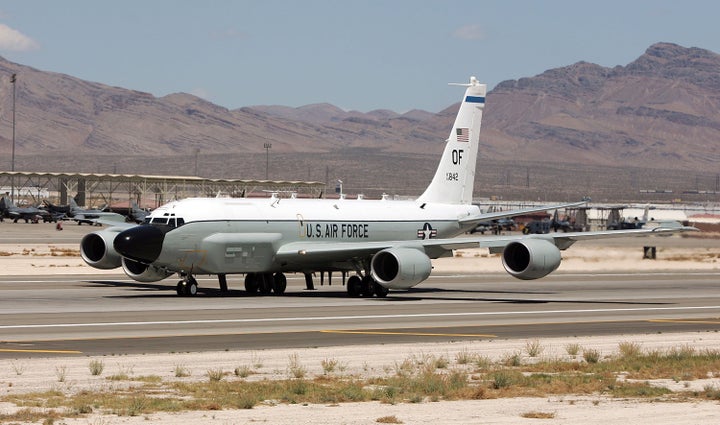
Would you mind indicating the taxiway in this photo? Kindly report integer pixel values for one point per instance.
(110, 314)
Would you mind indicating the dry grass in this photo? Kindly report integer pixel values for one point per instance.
(64, 252)
(418, 378)
(702, 257)
(538, 415)
(53, 252)
(96, 367)
(573, 349)
(389, 420)
(534, 348)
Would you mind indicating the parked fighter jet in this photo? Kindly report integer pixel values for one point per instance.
(136, 213)
(8, 209)
(386, 244)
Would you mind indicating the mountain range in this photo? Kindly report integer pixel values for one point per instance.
(657, 115)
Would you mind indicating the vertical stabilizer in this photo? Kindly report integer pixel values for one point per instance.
(453, 181)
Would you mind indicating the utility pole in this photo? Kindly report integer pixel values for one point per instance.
(12, 162)
(267, 147)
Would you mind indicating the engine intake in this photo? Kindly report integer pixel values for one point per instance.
(97, 250)
(400, 268)
(142, 272)
(531, 258)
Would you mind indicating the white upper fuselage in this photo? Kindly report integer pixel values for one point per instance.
(326, 219)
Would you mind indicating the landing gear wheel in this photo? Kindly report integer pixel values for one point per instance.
(187, 287)
(353, 286)
(191, 287)
(279, 283)
(366, 286)
(252, 283)
(266, 283)
(380, 291)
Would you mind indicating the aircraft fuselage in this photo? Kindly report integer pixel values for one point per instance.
(244, 235)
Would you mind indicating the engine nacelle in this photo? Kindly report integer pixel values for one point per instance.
(142, 272)
(97, 250)
(400, 268)
(531, 258)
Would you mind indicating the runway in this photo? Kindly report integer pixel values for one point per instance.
(111, 314)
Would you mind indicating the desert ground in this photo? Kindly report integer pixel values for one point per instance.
(71, 375)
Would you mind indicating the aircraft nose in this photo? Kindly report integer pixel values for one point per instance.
(140, 243)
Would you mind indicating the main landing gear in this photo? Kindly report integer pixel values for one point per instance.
(188, 286)
(265, 283)
(269, 283)
(365, 287)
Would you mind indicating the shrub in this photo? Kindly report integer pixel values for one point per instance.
(96, 367)
(533, 348)
(215, 375)
(591, 355)
(572, 349)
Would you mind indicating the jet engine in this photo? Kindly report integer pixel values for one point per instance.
(97, 250)
(531, 258)
(143, 272)
(400, 268)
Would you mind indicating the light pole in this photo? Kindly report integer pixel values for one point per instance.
(12, 161)
(267, 147)
(197, 151)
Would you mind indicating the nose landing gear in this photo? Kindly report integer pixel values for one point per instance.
(187, 287)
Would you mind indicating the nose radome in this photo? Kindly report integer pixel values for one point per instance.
(140, 243)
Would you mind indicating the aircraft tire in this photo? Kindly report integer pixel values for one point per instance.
(266, 283)
(353, 286)
(279, 283)
(366, 287)
(380, 291)
(180, 288)
(252, 283)
(191, 288)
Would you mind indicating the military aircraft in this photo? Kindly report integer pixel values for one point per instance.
(8, 209)
(95, 216)
(386, 244)
(84, 215)
(136, 214)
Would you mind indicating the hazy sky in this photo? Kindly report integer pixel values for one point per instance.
(363, 55)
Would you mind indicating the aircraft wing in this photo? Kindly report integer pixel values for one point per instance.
(562, 240)
(110, 219)
(514, 213)
(342, 251)
(336, 251)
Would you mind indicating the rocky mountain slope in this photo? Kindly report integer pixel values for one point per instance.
(658, 112)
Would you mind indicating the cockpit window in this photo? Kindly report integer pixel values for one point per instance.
(166, 220)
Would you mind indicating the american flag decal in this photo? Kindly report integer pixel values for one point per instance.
(463, 134)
